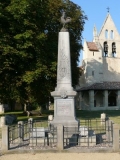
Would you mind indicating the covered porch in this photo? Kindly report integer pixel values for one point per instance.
(99, 96)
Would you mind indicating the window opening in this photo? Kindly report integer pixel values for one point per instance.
(113, 49)
(105, 49)
(106, 34)
(112, 34)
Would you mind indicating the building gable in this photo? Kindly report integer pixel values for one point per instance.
(109, 30)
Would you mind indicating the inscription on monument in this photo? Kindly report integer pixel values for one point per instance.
(64, 66)
(64, 107)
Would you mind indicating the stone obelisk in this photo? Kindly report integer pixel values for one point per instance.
(64, 94)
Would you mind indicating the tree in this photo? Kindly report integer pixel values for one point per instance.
(28, 47)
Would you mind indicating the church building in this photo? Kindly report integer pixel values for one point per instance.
(99, 85)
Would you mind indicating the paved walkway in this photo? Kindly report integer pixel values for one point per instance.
(62, 156)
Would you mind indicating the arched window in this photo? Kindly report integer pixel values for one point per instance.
(111, 34)
(113, 49)
(106, 34)
(105, 49)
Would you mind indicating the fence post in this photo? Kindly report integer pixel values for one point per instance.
(21, 131)
(103, 117)
(115, 137)
(30, 124)
(5, 138)
(109, 130)
(2, 121)
(60, 137)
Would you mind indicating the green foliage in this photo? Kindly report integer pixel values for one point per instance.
(28, 47)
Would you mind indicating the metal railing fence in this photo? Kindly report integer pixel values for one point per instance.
(42, 135)
(32, 134)
(90, 133)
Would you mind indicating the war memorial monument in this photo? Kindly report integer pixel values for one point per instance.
(64, 94)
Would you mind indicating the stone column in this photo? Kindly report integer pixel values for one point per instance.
(21, 131)
(116, 137)
(1, 108)
(91, 99)
(30, 124)
(2, 121)
(109, 130)
(60, 139)
(105, 100)
(5, 139)
(118, 99)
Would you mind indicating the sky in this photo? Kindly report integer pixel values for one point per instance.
(96, 11)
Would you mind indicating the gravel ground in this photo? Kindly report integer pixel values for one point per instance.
(61, 156)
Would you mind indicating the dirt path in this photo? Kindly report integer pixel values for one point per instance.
(61, 156)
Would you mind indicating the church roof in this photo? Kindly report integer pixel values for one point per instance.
(102, 86)
(92, 46)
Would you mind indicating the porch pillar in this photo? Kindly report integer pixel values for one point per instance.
(105, 99)
(118, 99)
(91, 99)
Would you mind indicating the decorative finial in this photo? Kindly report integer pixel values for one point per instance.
(64, 20)
(108, 9)
(94, 31)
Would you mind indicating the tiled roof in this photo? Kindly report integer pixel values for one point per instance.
(92, 46)
(102, 86)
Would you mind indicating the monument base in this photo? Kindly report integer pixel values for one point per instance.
(64, 112)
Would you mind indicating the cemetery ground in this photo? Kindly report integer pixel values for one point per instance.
(113, 115)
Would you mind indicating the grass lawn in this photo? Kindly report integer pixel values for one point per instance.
(80, 114)
(113, 115)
